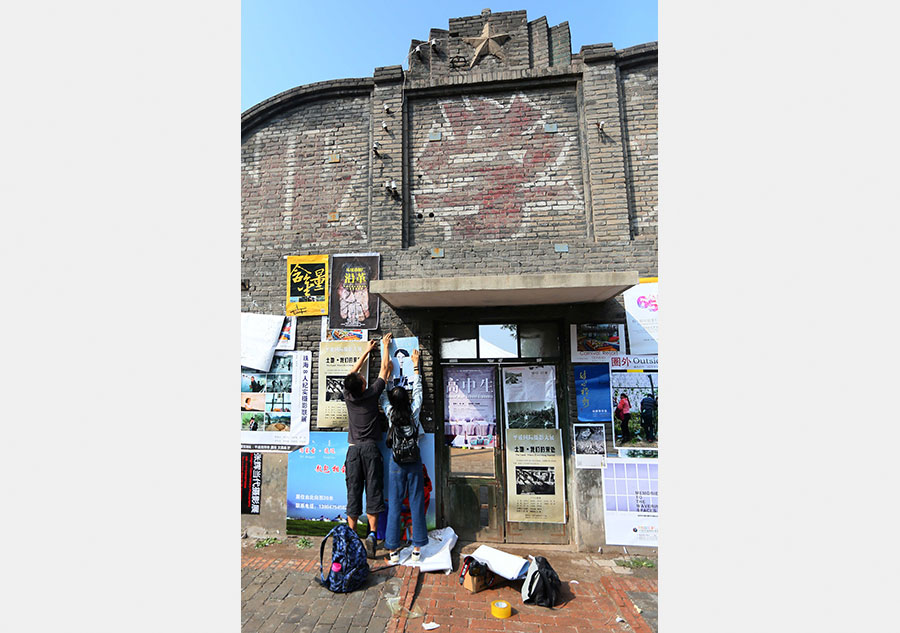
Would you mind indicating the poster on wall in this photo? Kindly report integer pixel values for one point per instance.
(642, 316)
(535, 478)
(596, 342)
(251, 482)
(316, 479)
(275, 405)
(336, 359)
(470, 409)
(634, 387)
(592, 394)
(402, 369)
(590, 445)
(529, 396)
(287, 339)
(307, 285)
(631, 502)
(259, 337)
(329, 334)
(351, 303)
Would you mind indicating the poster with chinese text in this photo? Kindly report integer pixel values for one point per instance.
(592, 395)
(336, 359)
(631, 502)
(529, 397)
(351, 303)
(329, 334)
(275, 405)
(596, 342)
(642, 316)
(251, 482)
(535, 485)
(470, 409)
(287, 339)
(590, 445)
(402, 369)
(316, 478)
(307, 285)
(634, 390)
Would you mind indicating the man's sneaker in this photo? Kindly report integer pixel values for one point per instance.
(370, 544)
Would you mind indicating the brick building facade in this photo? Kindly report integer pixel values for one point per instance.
(528, 162)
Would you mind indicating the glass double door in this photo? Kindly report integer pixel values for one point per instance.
(502, 454)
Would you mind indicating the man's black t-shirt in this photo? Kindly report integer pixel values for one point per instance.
(363, 413)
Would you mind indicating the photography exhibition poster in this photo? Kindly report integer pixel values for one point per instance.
(275, 405)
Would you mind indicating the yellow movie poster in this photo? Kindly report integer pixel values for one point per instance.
(307, 285)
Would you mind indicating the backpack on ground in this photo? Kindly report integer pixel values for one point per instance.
(349, 567)
(404, 443)
(541, 586)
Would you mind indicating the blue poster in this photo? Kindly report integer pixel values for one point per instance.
(317, 485)
(592, 392)
(400, 351)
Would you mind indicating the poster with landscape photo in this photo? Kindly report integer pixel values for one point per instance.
(275, 405)
(529, 397)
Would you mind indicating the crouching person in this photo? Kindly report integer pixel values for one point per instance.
(364, 466)
(405, 479)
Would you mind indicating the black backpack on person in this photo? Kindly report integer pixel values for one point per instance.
(404, 443)
(541, 586)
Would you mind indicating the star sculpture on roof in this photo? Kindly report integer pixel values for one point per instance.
(488, 43)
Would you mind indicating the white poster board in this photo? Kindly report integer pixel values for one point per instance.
(275, 405)
(642, 316)
(259, 336)
(631, 502)
(529, 396)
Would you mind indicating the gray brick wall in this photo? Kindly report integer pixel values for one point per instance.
(640, 89)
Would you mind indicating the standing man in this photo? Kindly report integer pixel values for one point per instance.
(364, 465)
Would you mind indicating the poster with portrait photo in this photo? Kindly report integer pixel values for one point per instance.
(590, 446)
(402, 369)
(280, 399)
(351, 303)
(634, 390)
(596, 342)
(529, 397)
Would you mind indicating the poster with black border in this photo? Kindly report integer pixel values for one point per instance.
(352, 306)
(251, 482)
(634, 390)
(307, 285)
(275, 405)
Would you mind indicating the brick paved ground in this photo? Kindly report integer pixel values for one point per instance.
(279, 594)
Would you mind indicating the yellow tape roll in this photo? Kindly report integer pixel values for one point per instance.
(500, 609)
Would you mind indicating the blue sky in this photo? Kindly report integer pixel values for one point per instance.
(286, 44)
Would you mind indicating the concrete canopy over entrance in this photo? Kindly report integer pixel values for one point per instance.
(503, 290)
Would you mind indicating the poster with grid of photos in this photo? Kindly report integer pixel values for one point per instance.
(275, 405)
(631, 501)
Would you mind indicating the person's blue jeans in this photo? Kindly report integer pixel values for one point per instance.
(406, 480)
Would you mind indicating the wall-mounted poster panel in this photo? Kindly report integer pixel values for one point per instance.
(592, 395)
(470, 409)
(307, 285)
(251, 482)
(275, 405)
(351, 304)
(402, 369)
(634, 386)
(529, 395)
(596, 342)
(631, 502)
(590, 445)
(642, 316)
(336, 359)
(288, 339)
(535, 486)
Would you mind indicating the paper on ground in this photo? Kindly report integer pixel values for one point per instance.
(435, 555)
(509, 566)
(430, 625)
(259, 336)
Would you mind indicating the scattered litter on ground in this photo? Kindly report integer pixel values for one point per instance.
(573, 582)
(304, 543)
(619, 618)
(430, 625)
(393, 603)
(638, 609)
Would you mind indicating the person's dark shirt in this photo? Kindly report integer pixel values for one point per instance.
(363, 413)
